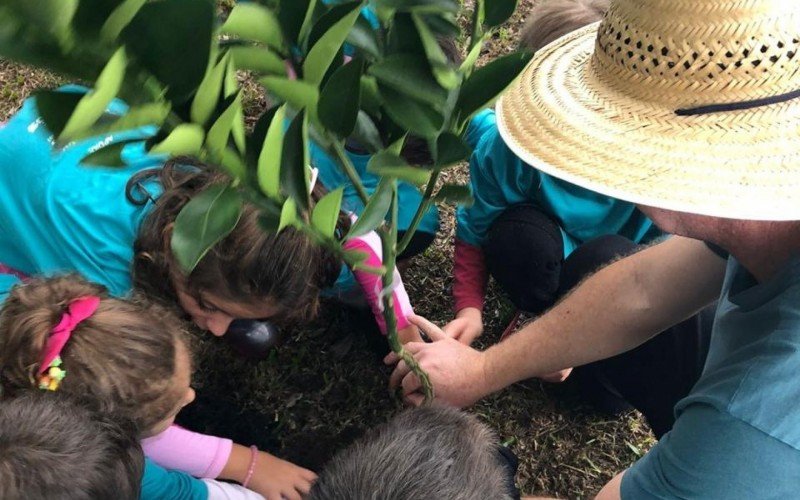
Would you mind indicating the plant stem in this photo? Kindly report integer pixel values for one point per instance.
(423, 207)
(349, 169)
(388, 237)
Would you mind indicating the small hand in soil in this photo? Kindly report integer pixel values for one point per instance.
(277, 479)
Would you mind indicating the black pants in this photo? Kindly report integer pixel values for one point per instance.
(652, 377)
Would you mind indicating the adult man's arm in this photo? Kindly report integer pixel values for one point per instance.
(618, 308)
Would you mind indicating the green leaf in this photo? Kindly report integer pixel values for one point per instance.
(427, 6)
(297, 93)
(323, 52)
(326, 212)
(340, 99)
(456, 194)
(152, 114)
(269, 161)
(208, 93)
(119, 18)
(440, 66)
(292, 16)
(158, 38)
(55, 108)
(375, 211)
(254, 22)
(231, 87)
(472, 58)
(94, 103)
(366, 133)
(51, 16)
(289, 216)
(107, 156)
(311, 13)
(233, 164)
(326, 21)
(416, 117)
(229, 83)
(365, 38)
(451, 149)
(90, 16)
(203, 222)
(258, 59)
(496, 12)
(488, 82)
(370, 95)
(294, 162)
(387, 164)
(220, 131)
(403, 38)
(185, 139)
(412, 76)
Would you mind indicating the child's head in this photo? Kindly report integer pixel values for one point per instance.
(250, 274)
(129, 355)
(552, 19)
(428, 452)
(53, 446)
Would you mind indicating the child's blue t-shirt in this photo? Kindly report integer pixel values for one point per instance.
(57, 215)
(737, 434)
(499, 179)
(161, 484)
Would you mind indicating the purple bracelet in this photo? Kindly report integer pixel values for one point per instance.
(252, 467)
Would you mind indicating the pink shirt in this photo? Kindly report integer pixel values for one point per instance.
(196, 454)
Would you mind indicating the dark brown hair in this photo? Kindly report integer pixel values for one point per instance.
(123, 356)
(55, 446)
(248, 266)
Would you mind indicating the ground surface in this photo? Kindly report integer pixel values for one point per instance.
(326, 384)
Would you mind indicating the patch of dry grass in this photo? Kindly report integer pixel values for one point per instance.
(326, 385)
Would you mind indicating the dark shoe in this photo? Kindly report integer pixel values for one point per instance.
(253, 339)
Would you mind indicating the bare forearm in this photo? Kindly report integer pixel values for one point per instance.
(617, 309)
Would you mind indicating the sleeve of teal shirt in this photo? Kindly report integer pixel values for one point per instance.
(496, 175)
(710, 454)
(158, 484)
(7, 282)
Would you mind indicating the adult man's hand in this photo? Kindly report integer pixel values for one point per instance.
(456, 371)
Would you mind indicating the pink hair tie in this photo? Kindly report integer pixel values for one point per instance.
(50, 372)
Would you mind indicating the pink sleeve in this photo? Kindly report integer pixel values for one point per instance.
(469, 276)
(371, 283)
(195, 454)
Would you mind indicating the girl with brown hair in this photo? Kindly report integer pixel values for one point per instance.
(131, 357)
(114, 226)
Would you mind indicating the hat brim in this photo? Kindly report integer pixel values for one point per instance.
(572, 122)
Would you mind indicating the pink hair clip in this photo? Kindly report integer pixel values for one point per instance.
(50, 373)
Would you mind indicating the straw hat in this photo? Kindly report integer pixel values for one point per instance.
(688, 105)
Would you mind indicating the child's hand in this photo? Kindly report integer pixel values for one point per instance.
(277, 479)
(466, 327)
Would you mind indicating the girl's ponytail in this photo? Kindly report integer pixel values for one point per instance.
(124, 355)
(28, 317)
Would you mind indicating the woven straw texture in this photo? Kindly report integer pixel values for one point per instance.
(598, 107)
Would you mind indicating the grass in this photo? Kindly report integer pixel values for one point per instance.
(326, 385)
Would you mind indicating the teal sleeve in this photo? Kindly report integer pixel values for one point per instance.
(7, 282)
(710, 454)
(478, 126)
(158, 484)
(498, 179)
